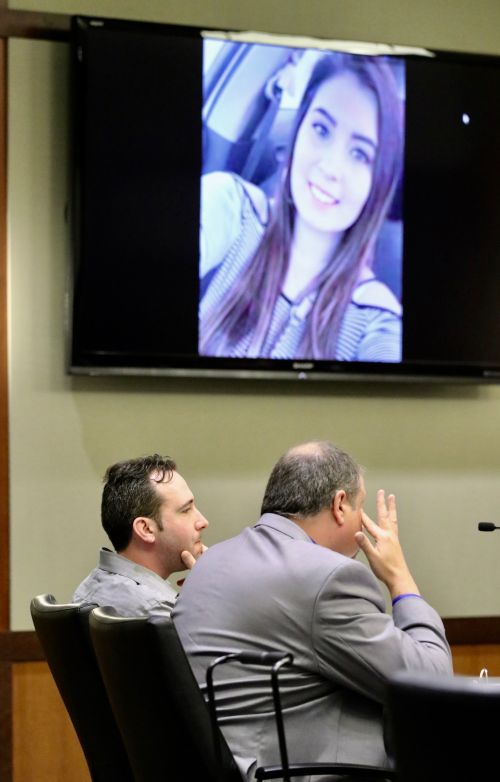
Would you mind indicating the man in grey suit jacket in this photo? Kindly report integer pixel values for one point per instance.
(291, 583)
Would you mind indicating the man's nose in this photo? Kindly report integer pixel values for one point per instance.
(202, 521)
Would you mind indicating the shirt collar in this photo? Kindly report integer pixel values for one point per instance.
(116, 563)
(284, 525)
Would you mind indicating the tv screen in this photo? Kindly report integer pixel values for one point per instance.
(261, 206)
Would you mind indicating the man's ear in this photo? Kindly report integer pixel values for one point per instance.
(337, 506)
(144, 529)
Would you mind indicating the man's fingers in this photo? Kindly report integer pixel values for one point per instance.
(381, 506)
(386, 509)
(187, 559)
(391, 508)
(364, 543)
(382, 514)
(368, 524)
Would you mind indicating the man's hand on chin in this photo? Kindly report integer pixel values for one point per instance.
(189, 560)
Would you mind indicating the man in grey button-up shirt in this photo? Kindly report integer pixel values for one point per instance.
(149, 514)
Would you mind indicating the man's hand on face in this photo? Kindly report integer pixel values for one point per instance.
(189, 560)
(385, 555)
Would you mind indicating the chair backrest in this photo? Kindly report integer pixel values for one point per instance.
(444, 728)
(156, 700)
(64, 635)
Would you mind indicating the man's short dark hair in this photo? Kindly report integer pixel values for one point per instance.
(305, 479)
(129, 491)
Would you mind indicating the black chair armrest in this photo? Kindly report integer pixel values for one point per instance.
(313, 769)
(286, 771)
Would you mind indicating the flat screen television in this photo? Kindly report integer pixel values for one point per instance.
(251, 205)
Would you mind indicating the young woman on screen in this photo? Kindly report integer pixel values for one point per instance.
(291, 277)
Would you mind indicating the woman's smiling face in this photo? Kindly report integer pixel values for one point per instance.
(334, 155)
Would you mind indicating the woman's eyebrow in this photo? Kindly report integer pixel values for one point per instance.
(356, 136)
(325, 114)
(365, 140)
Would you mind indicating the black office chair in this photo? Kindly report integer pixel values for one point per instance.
(167, 726)
(444, 728)
(64, 636)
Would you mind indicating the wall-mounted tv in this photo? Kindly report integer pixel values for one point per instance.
(267, 206)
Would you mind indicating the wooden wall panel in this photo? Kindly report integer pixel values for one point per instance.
(45, 746)
(468, 659)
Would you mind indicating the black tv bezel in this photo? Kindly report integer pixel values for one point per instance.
(197, 366)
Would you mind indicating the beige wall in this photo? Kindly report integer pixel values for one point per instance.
(461, 24)
(436, 446)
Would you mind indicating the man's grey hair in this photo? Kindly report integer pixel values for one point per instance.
(306, 478)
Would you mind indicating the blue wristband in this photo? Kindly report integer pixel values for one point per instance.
(406, 594)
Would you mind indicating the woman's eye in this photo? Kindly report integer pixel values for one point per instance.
(321, 129)
(361, 156)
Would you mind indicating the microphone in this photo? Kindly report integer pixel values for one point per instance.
(486, 526)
